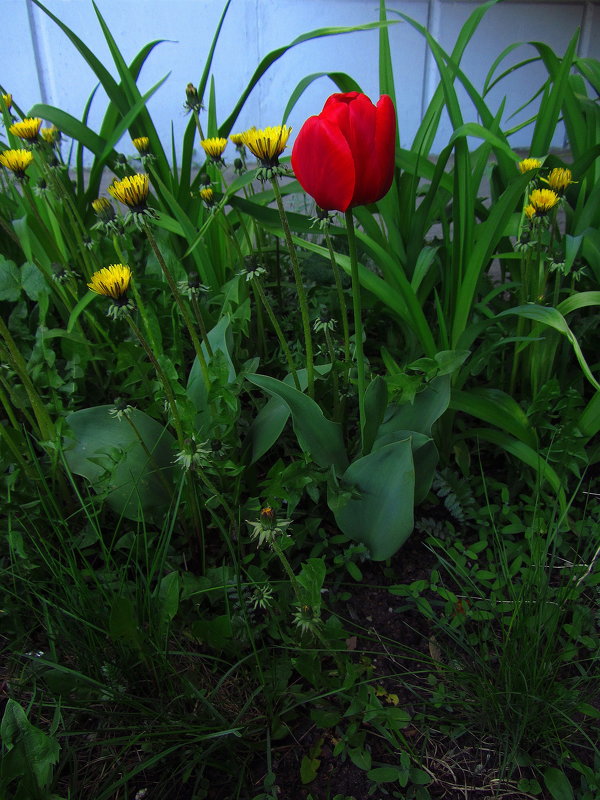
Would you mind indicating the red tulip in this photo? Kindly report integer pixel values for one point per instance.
(344, 157)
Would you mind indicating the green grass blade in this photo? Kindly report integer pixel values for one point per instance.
(550, 110)
(343, 82)
(274, 55)
(143, 125)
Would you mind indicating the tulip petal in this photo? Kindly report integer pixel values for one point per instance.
(370, 132)
(323, 164)
(385, 146)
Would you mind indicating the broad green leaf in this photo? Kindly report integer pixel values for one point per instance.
(31, 753)
(558, 784)
(317, 436)
(311, 578)
(376, 396)
(270, 421)
(122, 623)
(167, 598)
(108, 453)
(429, 405)
(10, 281)
(589, 421)
(377, 505)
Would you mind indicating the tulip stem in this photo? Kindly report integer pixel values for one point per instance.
(358, 328)
(310, 374)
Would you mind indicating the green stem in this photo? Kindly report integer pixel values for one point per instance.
(299, 287)
(201, 325)
(277, 328)
(180, 304)
(45, 424)
(161, 376)
(334, 375)
(341, 298)
(150, 456)
(299, 597)
(358, 327)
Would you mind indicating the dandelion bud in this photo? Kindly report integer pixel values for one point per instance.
(192, 100)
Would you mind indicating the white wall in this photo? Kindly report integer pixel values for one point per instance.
(39, 63)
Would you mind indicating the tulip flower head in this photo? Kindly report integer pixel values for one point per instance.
(344, 156)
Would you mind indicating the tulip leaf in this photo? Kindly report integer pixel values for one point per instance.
(274, 55)
(428, 406)
(374, 502)
(270, 420)
(344, 83)
(135, 478)
(318, 436)
(376, 397)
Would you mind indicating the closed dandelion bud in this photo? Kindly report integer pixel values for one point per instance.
(529, 164)
(51, 135)
(205, 179)
(559, 180)
(208, 197)
(103, 209)
(192, 100)
(7, 100)
(268, 516)
(238, 165)
(141, 144)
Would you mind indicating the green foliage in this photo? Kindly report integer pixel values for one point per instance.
(185, 566)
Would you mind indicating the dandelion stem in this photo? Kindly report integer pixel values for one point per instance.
(180, 304)
(161, 376)
(358, 327)
(341, 299)
(277, 328)
(299, 287)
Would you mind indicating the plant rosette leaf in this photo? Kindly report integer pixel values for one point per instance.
(105, 450)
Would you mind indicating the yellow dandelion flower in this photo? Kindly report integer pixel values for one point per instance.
(527, 164)
(559, 179)
(50, 135)
(208, 196)
(112, 281)
(16, 161)
(543, 200)
(132, 191)
(214, 147)
(141, 144)
(530, 211)
(267, 144)
(27, 129)
(7, 100)
(237, 139)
